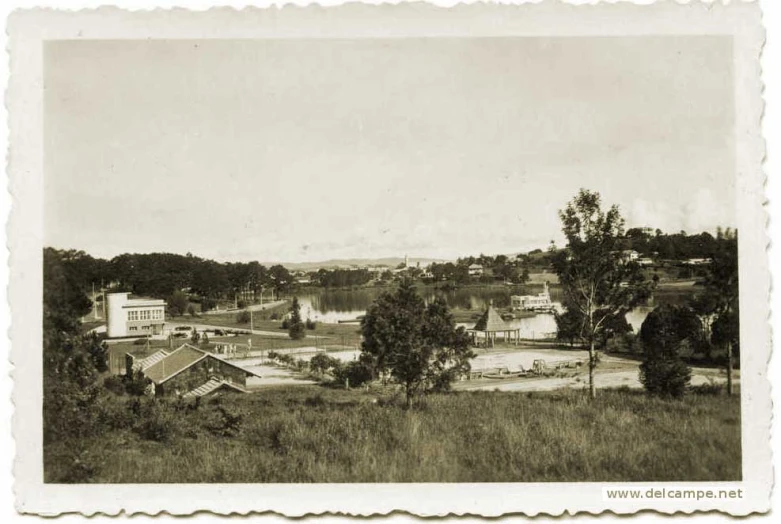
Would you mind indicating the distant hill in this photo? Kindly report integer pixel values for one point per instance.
(391, 262)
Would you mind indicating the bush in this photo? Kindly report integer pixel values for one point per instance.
(139, 341)
(310, 324)
(116, 413)
(136, 384)
(285, 324)
(158, 423)
(191, 310)
(354, 374)
(241, 304)
(225, 422)
(664, 330)
(665, 377)
(242, 317)
(115, 384)
(321, 363)
(274, 316)
(81, 467)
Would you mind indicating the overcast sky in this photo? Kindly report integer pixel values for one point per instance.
(304, 150)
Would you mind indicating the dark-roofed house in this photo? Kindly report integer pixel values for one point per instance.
(190, 372)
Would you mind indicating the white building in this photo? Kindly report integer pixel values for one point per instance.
(128, 317)
(475, 270)
(539, 302)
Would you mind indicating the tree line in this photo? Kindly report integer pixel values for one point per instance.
(163, 274)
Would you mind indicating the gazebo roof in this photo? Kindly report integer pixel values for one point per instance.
(492, 321)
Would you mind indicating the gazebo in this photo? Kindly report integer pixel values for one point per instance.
(492, 323)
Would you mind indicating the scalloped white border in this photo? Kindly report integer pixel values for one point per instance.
(28, 29)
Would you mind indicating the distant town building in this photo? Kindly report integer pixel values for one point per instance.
(645, 261)
(127, 317)
(630, 255)
(476, 270)
(538, 302)
(189, 372)
(697, 261)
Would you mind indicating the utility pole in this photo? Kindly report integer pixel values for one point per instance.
(94, 304)
(250, 321)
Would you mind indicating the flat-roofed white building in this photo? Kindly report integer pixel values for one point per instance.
(128, 317)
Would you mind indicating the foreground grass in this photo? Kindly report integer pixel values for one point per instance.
(316, 434)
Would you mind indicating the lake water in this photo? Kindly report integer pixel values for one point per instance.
(332, 306)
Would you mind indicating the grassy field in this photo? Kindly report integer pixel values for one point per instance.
(318, 434)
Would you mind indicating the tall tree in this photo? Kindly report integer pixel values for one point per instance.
(596, 280)
(296, 327)
(418, 345)
(720, 301)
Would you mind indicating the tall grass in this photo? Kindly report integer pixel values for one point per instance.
(316, 434)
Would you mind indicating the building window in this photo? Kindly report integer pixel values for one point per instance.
(132, 328)
(132, 315)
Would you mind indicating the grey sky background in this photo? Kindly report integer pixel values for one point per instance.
(304, 150)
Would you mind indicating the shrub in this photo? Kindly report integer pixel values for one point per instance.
(354, 373)
(81, 467)
(241, 304)
(310, 324)
(115, 384)
(136, 384)
(140, 341)
(116, 413)
(157, 422)
(665, 377)
(663, 373)
(225, 422)
(321, 363)
(285, 324)
(274, 316)
(242, 317)
(191, 310)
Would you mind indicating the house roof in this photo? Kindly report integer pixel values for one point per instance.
(179, 360)
(174, 363)
(492, 321)
(151, 360)
(475, 266)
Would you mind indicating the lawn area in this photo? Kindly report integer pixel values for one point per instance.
(319, 434)
(228, 320)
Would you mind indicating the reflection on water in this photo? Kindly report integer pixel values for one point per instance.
(332, 306)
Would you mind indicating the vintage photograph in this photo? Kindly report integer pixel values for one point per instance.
(394, 259)
(389, 260)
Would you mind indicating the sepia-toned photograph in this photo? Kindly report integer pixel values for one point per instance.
(394, 259)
